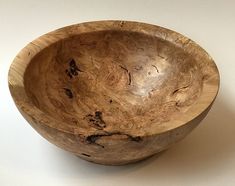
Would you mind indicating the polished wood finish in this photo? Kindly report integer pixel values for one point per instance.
(113, 92)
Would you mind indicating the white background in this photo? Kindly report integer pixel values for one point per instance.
(205, 157)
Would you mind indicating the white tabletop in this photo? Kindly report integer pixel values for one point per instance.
(205, 157)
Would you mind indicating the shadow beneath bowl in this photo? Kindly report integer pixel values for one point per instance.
(205, 151)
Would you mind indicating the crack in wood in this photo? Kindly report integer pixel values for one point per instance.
(84, 154)
(73, 69)
(91, 139)
(160, 56)
(155, 68)
(179, 89)
(129, 74)
(96, 120)
(68, 92)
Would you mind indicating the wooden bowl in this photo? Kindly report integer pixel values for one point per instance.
(113, 92)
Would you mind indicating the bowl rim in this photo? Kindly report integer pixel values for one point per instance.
(23, 58)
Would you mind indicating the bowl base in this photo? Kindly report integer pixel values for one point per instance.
(120, 163)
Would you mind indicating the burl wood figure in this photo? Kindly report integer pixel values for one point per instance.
(113, 92)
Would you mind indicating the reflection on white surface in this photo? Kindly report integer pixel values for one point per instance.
(205, 157)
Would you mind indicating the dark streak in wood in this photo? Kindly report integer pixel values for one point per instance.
(68, 92)
(156, 68)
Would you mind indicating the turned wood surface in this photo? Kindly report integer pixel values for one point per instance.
(113, 92)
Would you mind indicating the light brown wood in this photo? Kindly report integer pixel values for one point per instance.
(113, 92)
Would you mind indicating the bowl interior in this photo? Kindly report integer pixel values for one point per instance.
(113, 80)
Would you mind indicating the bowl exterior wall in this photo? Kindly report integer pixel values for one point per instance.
(109, 150)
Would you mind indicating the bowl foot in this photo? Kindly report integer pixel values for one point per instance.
(120, 163)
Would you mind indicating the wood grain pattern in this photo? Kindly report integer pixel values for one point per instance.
(113, 92)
